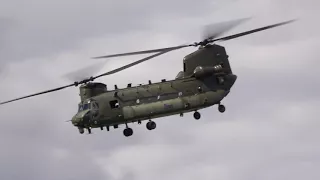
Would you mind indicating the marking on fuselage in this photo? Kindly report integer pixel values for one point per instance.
(168, 106)
(148, 97)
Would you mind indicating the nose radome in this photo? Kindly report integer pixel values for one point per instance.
(80, 118)
(75, 121)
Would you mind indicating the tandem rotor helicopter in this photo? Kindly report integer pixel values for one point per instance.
(205, 81)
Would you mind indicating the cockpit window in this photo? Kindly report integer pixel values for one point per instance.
(91, 104)
(94, 105)
(83, 107)
(80, 108)
(86, 106)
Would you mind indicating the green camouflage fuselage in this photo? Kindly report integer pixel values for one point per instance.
(152, 101)
(205, 80)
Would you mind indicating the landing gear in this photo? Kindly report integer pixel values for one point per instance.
(89, 130)
(127, 132)
(221, 108)
(151, 125)
(196, 115)
(81, 130)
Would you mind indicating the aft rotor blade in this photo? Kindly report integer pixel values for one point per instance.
(40, 93)
(143, 52)
(252, 31)
(134, 63)
(216, 30)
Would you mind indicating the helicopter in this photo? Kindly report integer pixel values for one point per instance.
(206, 80)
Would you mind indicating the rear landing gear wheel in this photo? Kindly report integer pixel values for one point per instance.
(127, 132)
(197, 115)
(151, 125)
(221, 108)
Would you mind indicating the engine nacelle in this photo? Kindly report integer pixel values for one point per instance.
(200, 72)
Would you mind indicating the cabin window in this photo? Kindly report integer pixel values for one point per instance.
(184, 67)
(114, 104)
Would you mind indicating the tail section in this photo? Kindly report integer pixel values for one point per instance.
(208, 56)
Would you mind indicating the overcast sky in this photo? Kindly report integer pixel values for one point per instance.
(269, 131)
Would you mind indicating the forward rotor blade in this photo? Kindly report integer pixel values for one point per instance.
(216, 30)
(91, 78)
(135, 63)
(85, 72)
(142, 52)
(252, 31)
(36, 94)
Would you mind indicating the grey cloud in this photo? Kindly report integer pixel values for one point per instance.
(269, 12)
(248, 148)
(270, 124)
(42, 29)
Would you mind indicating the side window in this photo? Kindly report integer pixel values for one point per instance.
(95, 105)
(114, 104)
(80, 108)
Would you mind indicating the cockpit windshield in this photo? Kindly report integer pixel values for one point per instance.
(83, 107)
(88, 105)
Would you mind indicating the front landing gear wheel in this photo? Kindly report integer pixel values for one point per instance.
(127, 132)
(221, 108)
(196, 115)
(81, 130)
(151, 125)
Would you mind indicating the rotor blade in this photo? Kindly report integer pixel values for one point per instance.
(142, 52)
(44, 92)
(92, 78)
(215, 30)
(252, 31)
(133, 64)
(85, 72)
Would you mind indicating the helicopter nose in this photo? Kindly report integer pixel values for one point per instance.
(81, 118)
(76, 121)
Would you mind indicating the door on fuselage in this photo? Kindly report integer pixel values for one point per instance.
(115, 110)
(95, 109)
